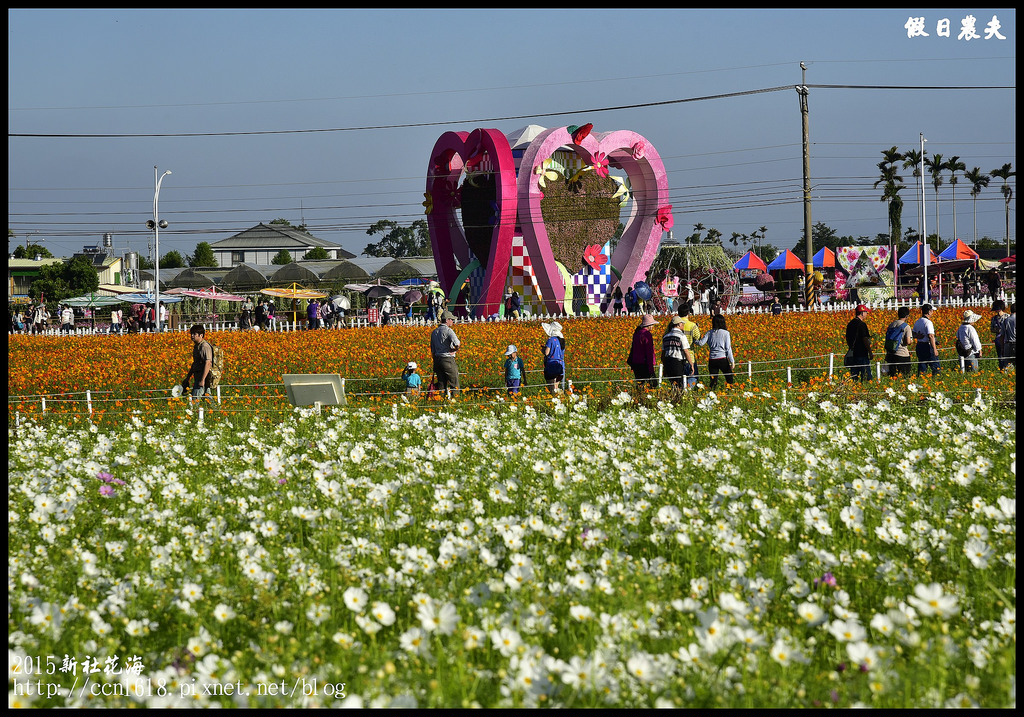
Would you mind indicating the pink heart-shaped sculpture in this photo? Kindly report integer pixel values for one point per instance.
(638, 245)
(485, 150)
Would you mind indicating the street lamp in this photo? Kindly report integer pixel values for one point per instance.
(156, 224)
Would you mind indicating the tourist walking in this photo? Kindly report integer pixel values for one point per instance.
(641, 352)
(675, 353)
(202, 363)
(720, 357)
(554, 356)
(927, 350)
(443, 345)
(897, 343)
(858, 338)
(968, 341)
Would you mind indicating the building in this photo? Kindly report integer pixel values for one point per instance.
(261, 243)
(21, 273)
(107, 266)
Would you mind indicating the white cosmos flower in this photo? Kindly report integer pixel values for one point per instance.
(847, 630)
(383, 613)
(223, 612)
(355, 599)
(931, 600)
(811, 612)
(438, 618)
(861, 653)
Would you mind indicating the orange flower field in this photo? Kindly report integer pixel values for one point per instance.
(121, 371)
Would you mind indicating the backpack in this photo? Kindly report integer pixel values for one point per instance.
(894, 338)
(217, 370)
(962, 350)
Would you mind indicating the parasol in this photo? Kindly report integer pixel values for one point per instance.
(643, 291)
(294, 292)
(148, 298)
(378, 291)
(211, 293)
(341, 302)
(412, 296)
(1012, 259)
(91, 301)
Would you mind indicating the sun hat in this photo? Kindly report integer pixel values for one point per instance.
(553, 329)
(445, 315)
(177, 391)
(970, 317)
(411, 366)
(511, 350)
(861, 309)
(648, 321)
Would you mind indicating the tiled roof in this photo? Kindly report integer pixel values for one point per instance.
(277, 236)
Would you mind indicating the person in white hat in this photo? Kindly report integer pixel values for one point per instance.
(554, 356)
(411, 378)
(515, 370)
(968, 343)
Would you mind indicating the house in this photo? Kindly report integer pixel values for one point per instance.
(261, 243)
(22, 272)
(108, 267)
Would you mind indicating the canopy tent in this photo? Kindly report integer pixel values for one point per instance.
(946, 267)
(913, 255)
(211, 293)
(958, 250)
(787, 260)
(824, 259)
(749, 261)
(191, 278)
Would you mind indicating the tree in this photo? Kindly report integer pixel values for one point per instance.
(979, 180)
(317, 253)
(61, 280)
(282, 258)
(284, 222)
(954, 165)
(935, 167)
(892, 184)
(31, 251)
(172, 260)
(912, 160)
(203, 255)
(398, 241)
(1004, 173)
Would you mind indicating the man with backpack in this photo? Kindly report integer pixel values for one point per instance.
(205, 366)
(897, 343)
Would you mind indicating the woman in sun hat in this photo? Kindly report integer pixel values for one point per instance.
(967, 337)
(641, 352)
(554, 356)
(515, 370)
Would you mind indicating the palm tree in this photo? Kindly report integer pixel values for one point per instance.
(1005, 173)
(892, 185)
(935, 166)
(912, 159)
(954, 165)
(979, 180)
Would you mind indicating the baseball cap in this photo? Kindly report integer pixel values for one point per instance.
(861, 309)
(447, 315)
(511, 350)
(411, 365)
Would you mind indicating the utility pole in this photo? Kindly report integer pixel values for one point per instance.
(809, 244)
(925, 251)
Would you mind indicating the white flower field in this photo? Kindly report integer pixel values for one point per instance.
(650, 554)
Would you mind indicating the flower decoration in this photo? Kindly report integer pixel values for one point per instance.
(453, 194)
(601, 164)
(545, 170)
(428, 203)
(665, 217)
(593, 256)
(579, 133)
(639, 149)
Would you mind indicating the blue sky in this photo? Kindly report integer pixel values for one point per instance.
(733, 164)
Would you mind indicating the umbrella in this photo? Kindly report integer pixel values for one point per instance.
(294, 292)
(378, 291)
(412, 296)
(211, 293)
(1012, 259)
(643, 291)
(148, 298)
(91, 301)
(341, 302)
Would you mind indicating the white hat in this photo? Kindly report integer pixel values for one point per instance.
(970, 317)
(177, 390)
(511, 350)
(411, 366)
(553, 329)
